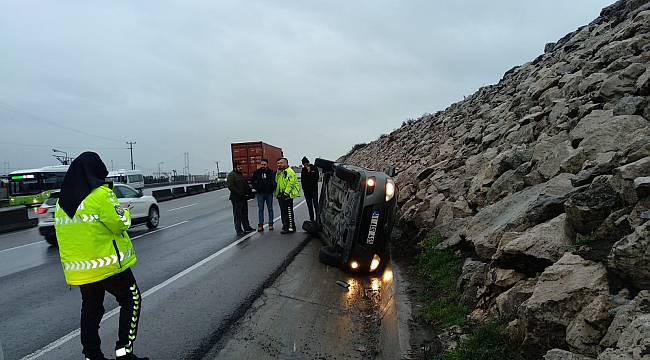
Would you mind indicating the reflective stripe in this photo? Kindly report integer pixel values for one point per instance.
(83, 218)
(97, 263)
(120, 352)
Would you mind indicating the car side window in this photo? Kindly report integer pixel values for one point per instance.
(118, 192)
(128, 192)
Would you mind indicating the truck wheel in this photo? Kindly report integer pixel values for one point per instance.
(154, 218)
(51, 239)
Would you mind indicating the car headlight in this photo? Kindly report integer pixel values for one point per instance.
(374, 264)
(390, 189)
(370, 185)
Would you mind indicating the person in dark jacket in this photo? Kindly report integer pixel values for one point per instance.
(264, 185)
(240, 192)
(309, 178)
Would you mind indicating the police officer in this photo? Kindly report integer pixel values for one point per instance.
(286, 190)
(96, 253)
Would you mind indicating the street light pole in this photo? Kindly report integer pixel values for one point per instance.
(160, 163)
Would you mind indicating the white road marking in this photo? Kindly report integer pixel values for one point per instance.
(55, 344)
(182, 207)
(161, 229)
(22, 246)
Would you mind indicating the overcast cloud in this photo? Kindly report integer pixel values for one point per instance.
(313, 77)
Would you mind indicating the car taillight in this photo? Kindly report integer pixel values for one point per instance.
(41, 211)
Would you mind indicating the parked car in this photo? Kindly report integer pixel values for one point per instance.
(356, 214)
(144, 210)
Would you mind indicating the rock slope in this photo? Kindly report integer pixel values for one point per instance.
(544, 179)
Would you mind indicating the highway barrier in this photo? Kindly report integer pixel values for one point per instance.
(179, 192)
(163, 195)
(15, 218)
(195, 189)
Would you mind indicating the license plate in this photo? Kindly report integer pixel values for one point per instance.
(373, 227)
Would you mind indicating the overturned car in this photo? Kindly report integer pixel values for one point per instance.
(356, 214)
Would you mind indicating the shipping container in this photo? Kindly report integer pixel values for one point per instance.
(250, 154)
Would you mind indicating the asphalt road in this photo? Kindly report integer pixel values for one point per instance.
(196, 276)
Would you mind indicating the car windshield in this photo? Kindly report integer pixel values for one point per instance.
(117, 179)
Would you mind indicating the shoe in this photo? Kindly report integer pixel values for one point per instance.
(249, 229)
(283, 232)
(260, 227)
(100, 357)
(131, 357)
(270, 227)
(241, 233)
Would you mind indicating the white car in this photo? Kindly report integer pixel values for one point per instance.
(144, 210)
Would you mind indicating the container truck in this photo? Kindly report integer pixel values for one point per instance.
(250, 154)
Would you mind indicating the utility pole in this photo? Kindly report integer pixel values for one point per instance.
(160, 163)
(187, 166)
(112, 168)
(131, 143)
(217, 162)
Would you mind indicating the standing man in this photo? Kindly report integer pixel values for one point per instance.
(309, 178)
(96, 253)
(264, 185)
(239, 195)
(286, 190)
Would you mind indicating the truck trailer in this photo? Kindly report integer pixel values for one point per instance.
(250, 154)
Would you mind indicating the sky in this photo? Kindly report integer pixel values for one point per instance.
(311, 77)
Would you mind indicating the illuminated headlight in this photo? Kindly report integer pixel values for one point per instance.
(354, 265)
(35, 201)
(374, 264)
(370, 185)
(390, 189)
(13, 200)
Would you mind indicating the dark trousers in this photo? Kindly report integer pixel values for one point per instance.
(240, 214)
(125, 290)
(286, 212)
(312, 203)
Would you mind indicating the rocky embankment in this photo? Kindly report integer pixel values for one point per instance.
(542, 182)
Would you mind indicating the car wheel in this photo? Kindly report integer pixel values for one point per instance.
(51, 239)
(154, 218)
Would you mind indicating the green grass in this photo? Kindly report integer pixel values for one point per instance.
(439, 270)
(486, 342)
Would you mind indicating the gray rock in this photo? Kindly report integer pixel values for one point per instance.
(538, 247)
(587, 208)
(561, 292)
(630, 105)
(623, 317)
(643, 83)
(550, 153)
(509, 182)
(585, 331)
(508, 302)
(636, 169)
(485, 229)
(471, 279)
(558, 354)
(630, 257)
(623, 82)
(634, 342)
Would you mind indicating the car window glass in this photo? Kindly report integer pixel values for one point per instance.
(128, 192)
(118, 191)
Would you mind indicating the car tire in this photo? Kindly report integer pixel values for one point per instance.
(329, 256)
(154, 217)
(51, 239)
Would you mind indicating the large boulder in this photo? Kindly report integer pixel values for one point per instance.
(472, 278)
(507, 303)
(601, 132)
(622, 83)
(630, 257)
(550, 153)
(623, 317)
(485, 229)
(634, 342)
(588, 207)
(538, 247)
(636, 169)
(561, 292)
(585, 331)
(559, 354)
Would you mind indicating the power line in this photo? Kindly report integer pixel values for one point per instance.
(16, 110)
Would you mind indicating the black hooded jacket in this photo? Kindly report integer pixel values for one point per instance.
(264, 181)
(86, 173)
(309, 179)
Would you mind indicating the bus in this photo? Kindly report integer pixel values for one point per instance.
(133, 178)
(33, 186)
